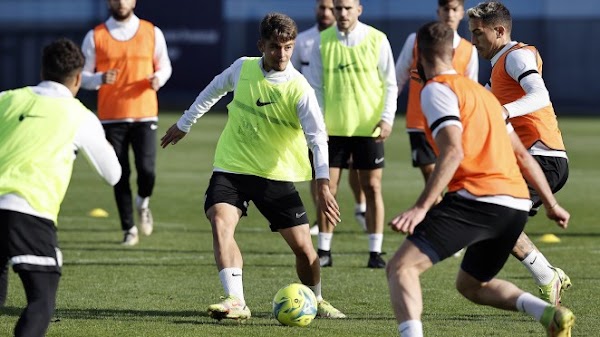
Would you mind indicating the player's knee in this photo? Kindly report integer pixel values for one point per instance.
(468, 289)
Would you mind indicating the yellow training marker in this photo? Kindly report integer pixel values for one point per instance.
(98, 213)
(549, 238)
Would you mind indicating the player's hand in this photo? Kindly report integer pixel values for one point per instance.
(327, 203)
(154, 82)
(559, 215)
(172, 136)
(406, 221)
(385, 130)
(110, 76)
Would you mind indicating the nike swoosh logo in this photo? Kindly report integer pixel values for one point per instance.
(378, 160)
(259, 103)
(232, 274)
(23, 116)
(532, 262)
(344, 66)
(299, 215)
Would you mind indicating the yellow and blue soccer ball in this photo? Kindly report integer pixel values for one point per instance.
(295, 305)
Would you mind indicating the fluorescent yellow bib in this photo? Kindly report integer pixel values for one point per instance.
(36, 147)
(352, 88)
(263, 136)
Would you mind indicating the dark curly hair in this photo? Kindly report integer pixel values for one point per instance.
(279, 26)
(62, 59)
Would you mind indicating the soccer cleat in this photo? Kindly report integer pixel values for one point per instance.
(325, 259)
(314, 230)
(231, 308)
(375, 260)
(552, 292)
(361, 219)
(146, 221)
(130, 239)
(558, 321)
(326, 310)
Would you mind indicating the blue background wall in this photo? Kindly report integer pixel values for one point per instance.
(206, 36)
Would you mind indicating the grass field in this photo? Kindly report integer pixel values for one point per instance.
(162, 286)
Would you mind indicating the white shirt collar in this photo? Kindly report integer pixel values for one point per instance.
(502, 51)
(51, 88)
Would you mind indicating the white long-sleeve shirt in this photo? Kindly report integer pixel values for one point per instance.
(89, 140)
(309, 113)
(406, 58)
(536, 94)
(305, 42)
(518, 62)
(385, 66)
(123, 31)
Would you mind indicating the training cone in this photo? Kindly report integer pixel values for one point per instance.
(549, 238)
(98, 213)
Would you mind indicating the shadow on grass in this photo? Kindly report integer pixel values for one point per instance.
(178, 317)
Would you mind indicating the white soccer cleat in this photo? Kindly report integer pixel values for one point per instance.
(130, 239)
(146, 221)
(231, 308)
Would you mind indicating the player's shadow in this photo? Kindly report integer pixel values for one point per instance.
(176, 317)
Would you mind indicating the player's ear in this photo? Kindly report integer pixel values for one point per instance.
(260, 45)
(500, 31)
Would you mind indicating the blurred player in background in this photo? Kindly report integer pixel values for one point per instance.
(517, 82)
(352, 73)
(301, 61)
(126, 60)
(481, 162)
(465, 62)
(42, 128)
(274, 114)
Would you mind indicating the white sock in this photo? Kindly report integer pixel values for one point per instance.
(142, 202)
(324, 241)
(539, 268)
(412, 328)
(317, 290)
(231, 279)
(375, 242)
(132, 230)
(532, 305)
(360, 208)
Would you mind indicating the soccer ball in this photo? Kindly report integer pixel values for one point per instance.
(295, 305)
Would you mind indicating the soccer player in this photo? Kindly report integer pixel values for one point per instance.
(301, 61)
(126, 60)
(465, 62)
(261, 152)
(353, 75)
(480, 160)
(42, 128)
(517, 82)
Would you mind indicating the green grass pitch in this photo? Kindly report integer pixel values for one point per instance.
(162, 286)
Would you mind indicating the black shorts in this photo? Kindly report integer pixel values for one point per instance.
(488, 230)
(278, 201)
(421, 151)
(29, 242)
(360, 153)
(556, 170)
